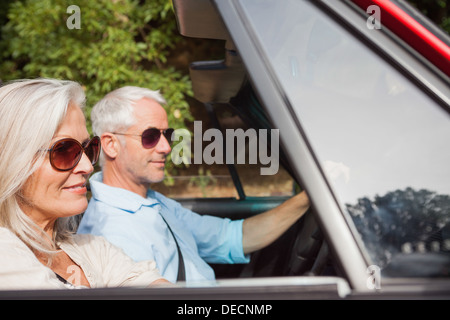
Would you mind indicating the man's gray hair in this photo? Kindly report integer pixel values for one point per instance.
(114, 112)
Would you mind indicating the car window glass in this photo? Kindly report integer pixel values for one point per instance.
(211, 178)
(197, 180)
(250, 160)
(382, 143)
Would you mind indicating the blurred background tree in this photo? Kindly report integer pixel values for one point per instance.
(437, 11)
(120, 43)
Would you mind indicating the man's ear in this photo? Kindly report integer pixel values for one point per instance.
(110, 145)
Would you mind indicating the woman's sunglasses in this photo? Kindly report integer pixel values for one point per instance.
(150, 137)
(66, 153)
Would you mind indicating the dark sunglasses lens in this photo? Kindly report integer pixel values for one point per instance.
(93, 150)
(150, 138)
(66, 154)
(168, 135)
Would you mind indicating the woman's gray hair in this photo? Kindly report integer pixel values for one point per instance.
(115, 112)
(31, 112)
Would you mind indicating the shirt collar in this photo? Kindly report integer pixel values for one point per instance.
(117, 197)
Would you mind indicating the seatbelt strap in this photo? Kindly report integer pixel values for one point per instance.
(181, 271)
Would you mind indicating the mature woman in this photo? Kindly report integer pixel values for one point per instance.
(46, 157)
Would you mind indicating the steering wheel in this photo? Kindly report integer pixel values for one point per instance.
(300, 250)
(308, 242)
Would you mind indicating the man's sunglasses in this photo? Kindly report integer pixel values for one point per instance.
(65, 154)
(150, 137)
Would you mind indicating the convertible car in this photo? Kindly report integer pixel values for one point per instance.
(353, 100)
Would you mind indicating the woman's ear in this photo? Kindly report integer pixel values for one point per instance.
(110, 145)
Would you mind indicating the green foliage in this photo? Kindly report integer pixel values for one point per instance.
(120, 42)
(436, 10)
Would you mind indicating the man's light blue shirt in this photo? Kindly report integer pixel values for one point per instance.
(134, 224)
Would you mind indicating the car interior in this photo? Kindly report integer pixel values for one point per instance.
(224, 84)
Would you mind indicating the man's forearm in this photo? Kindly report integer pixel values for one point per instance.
(261, 230)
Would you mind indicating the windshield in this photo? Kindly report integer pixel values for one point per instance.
(382, 143)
